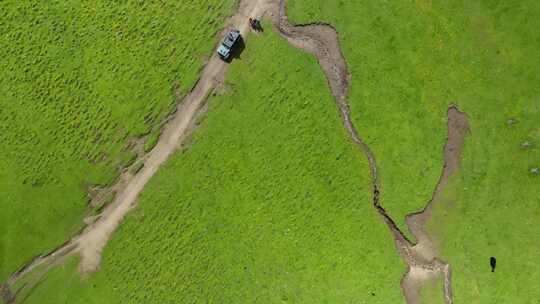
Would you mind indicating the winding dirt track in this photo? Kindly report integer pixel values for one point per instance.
(322, 41)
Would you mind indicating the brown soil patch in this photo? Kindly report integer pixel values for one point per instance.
(5, 294)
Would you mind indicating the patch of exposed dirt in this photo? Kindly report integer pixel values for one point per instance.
(136, 145)
(5, 294)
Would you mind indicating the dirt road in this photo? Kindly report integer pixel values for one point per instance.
(92, 241)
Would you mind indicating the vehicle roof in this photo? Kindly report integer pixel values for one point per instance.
(231, 38)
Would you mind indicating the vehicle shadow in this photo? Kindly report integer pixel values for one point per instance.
(237, 51)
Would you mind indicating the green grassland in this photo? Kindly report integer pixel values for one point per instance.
(432, 292)
(409, 60)
(270, 203)
(64, 285)
(78, 80)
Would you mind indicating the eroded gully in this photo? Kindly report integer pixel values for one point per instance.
(423, 264)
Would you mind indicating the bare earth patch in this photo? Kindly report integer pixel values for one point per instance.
(5, 293)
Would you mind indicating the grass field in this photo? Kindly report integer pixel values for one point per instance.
(409, 61)
(270, 203)
(78, 80)
(432, 292)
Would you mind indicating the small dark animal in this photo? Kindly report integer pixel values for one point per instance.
(255, 24)
(493, 263)
(258, 25)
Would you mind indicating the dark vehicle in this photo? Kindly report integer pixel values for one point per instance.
(228, 43)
